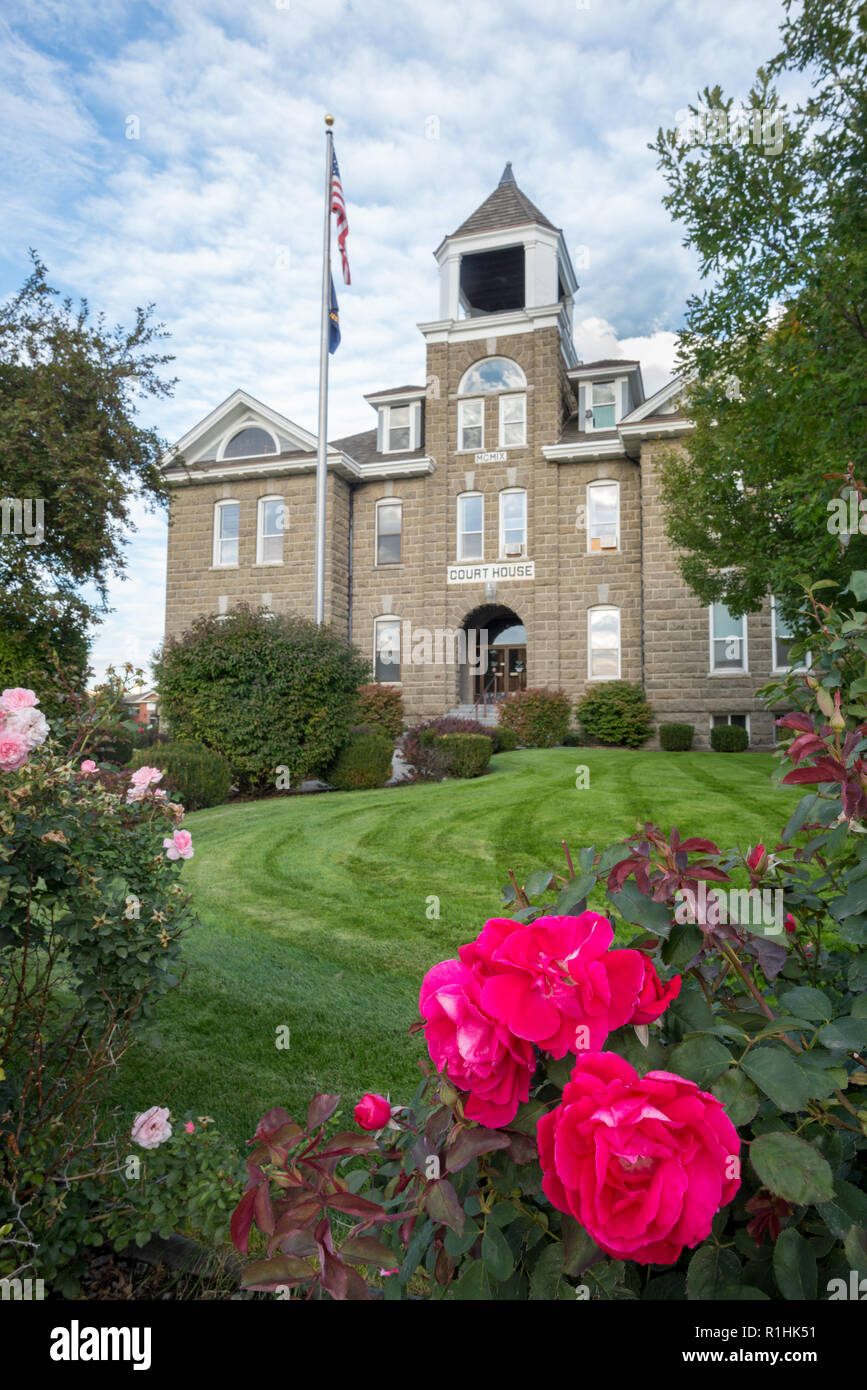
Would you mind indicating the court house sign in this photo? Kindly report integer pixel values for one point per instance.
(483, 574)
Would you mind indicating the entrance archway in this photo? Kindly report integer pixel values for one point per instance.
(498, 637)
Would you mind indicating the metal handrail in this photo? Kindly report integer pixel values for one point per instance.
(483, 698)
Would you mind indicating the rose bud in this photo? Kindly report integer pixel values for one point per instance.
(756, 859)
(372, 1111)
(790, 923)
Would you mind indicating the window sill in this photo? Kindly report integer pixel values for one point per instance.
(224, 567)
(740, 671)
(390, 565)
(267, 564)
(610, 550)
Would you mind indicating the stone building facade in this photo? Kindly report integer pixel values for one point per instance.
(500, 527)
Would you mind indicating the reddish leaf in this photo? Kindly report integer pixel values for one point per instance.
(299, 1216)
(321, 1108)
(281, 1269)
(470, 1143)
(356, 1287)
(356, 1206)
(699, 845)
(348, 1142)
(444, 1266)
(367, 1250)
(442, 1204)
(522, 1148)
(334, 1276)
(795, 721)
(262, 1210)
(271, 1123)
(242, 1220)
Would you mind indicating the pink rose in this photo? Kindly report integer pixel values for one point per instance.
(88, 765)
(190, 1127)
(146, 776)
(756, 858)
(555, 983)
(655, 996)
(180, 846)
(790, 923)
(29, 722)
(14, 750)
(642, 1163)
(372, 1111)
(18, 698)
(152, 1128)
(481, 1054)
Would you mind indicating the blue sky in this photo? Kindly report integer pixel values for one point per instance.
(213, 208)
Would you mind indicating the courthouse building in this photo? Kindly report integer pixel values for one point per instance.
(512, 492)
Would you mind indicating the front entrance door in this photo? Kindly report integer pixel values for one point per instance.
(507, 671)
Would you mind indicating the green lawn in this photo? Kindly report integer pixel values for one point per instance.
(313, 913)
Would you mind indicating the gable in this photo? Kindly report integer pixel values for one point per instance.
(208, 440)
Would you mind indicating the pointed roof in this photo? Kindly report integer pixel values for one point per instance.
(507, 206)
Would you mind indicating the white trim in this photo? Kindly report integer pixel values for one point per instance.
(743, 670)
(615, 383)
(387, 618)
(217, 562)
(494, 390)
(585, 450)
(260, 532)
(594, 483)
(474, 448)
(604, 608)
(280, 423)
(410, 426)
(386, 502)
(512, 396)
(661, 397)
(512, 492)
(380, 398)
(459, 557)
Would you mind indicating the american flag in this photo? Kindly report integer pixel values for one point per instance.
(338, 207)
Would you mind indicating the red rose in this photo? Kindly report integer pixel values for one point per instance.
(372, 1111)
(790, 923)
(655, 996)
(642, 1163)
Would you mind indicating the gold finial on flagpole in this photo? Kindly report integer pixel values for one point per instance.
(329, 120)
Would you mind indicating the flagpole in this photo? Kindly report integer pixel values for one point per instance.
(321, 452)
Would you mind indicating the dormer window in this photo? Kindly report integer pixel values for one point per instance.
(250, 442)
(400, 428)
(603, 401)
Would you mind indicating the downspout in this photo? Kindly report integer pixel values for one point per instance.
(349, 581)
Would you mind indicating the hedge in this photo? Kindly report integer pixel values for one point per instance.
(507, 739)
(381, 707)
(468, 754)
(729, 738)
(676, 738)
(194, 775)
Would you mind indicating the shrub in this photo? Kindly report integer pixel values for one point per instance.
(572, 739)
(197, 776)
(468, 754)
(507, 739)
(381, 707)
(729, 738)
(615, 712)
(421, 748)
(539, 717)
(114, 745)
(265, 691)
(676, 738)
(363, 762)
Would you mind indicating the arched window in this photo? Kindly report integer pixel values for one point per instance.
(492, 374)
(249, 443)
(227, 521)
(603, 643)
(513, 522)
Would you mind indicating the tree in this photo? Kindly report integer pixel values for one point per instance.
(775, 347)
(73, 458)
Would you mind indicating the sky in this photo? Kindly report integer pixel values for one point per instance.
(173, 153)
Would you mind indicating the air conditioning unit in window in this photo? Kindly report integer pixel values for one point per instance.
(609, 542)
(514, 548)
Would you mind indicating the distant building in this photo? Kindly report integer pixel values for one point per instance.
(512, 492)
(143, 706)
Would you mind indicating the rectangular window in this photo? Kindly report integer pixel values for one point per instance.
(513, 421)
(513, 523)
(271, 524)
(603, 525)
(471, 424)
(742, 721)
(398, 429)
(603, 405)
(386, 638)
(389, 518)
(603, 644)
(782, 637)
(227, 531)
(470, 526)
(728, 644)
